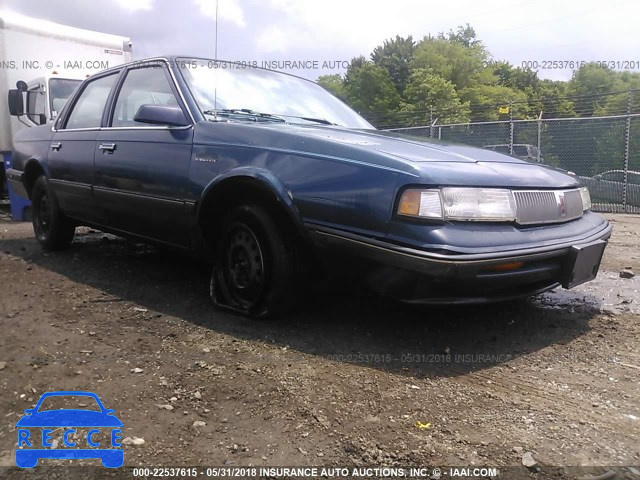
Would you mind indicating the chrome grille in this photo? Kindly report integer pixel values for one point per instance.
(547, 206)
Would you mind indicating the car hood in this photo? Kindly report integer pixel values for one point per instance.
(427, 160)
(408, 147)
(69, 418)
(446, 163)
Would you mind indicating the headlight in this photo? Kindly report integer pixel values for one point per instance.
(460, 204)
(586, 198)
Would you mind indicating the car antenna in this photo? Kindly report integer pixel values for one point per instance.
(215, 55)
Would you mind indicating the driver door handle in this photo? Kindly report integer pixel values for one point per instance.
(56, 146)
(107, 147)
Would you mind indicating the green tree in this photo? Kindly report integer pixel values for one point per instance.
(628, 83)
(521, 79)
(588, 83)
(427, 95)
(464, 35)
(550, 98)
(488, 100)
(458, 58)
(369, 89)
(395, 56)
(333, 84)
(452, 74)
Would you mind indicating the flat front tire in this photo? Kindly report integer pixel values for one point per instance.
(52, 229)
(254, 267)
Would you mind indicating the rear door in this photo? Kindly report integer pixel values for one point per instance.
(142, 169)
(72, 149)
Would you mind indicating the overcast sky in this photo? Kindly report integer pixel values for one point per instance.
(337, 30)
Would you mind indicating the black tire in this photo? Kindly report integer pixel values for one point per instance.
(254, 272)
(53, 230)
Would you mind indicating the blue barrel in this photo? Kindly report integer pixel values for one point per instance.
(20, 207)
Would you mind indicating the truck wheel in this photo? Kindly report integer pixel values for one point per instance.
(53, 230)
(254, 264)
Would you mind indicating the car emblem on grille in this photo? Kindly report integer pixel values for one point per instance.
(562, 205)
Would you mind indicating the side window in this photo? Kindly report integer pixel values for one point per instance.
(87, 111)
(36, 105)
(142, 86)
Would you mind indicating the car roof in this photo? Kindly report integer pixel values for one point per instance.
(69, 393)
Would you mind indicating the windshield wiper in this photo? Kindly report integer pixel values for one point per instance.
(316, 120)
(244, 112)
(268, 116)
(323, 121)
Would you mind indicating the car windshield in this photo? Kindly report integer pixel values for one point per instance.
(238, 92)
(61, 89)
(66, 402)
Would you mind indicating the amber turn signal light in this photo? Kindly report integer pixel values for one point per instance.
(505, 267)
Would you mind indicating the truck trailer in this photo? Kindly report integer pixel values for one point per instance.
(41, 64)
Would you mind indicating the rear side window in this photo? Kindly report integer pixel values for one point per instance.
(88, 109)
(142, 86)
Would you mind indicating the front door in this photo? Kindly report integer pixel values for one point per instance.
(141, 169)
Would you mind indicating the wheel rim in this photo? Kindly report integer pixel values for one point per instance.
(43, 216)
(243, 266)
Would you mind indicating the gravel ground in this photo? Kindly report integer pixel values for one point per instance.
(349, 379)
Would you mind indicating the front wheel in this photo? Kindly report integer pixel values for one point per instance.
(254, 268)
(53, 230)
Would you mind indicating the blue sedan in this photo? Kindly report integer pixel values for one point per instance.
(274, 181)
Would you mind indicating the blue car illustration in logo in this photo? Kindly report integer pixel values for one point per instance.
(100, 423)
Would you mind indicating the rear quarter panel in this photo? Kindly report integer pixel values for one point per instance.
(32, 145)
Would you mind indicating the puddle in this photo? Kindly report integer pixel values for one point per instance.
(608, 293)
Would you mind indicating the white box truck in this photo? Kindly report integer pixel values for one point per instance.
(41, 64)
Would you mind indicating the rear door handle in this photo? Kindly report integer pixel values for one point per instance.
(56, 146)
(107, 147)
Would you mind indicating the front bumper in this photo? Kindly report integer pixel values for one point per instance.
(432, 276)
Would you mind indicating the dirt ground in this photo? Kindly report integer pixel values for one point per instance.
(348, 380)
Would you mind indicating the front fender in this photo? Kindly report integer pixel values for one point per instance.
(258, 178)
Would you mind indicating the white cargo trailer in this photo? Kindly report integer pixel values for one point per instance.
(42, 63)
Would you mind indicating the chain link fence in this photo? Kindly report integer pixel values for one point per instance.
(603, 151)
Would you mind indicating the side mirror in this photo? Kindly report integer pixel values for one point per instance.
(30, 411)
(161, 115)
(16, 103)
(109, 411)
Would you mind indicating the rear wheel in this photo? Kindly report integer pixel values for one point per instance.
(53, 230)
(254, 269)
